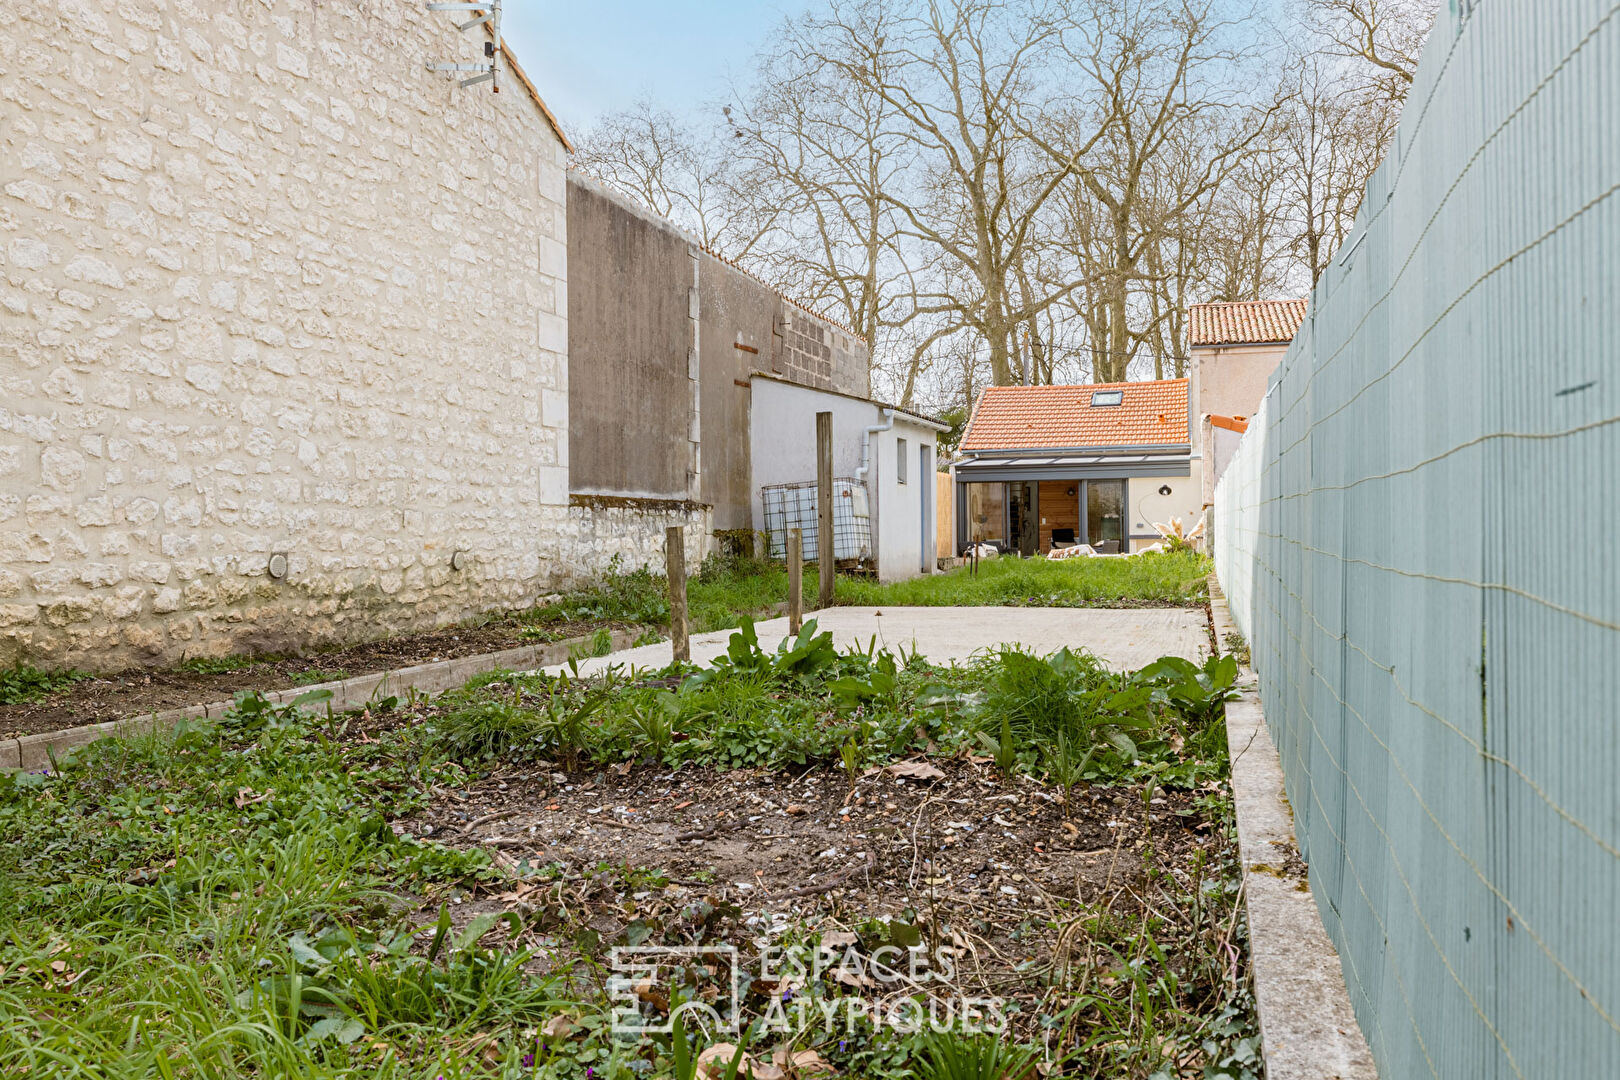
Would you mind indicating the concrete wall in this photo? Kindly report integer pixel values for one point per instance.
(783, 441)
(1227, 380)
(1220, 444)
(739, 321)
(266, 285)
(633, 338)
(663, 338)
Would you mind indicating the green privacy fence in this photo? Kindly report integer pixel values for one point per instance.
(1421, 537)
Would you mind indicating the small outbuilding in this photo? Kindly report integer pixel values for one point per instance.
(883, 463)
(1047, 467)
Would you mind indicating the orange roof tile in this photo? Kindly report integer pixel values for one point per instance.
(1251, 322)
(1239, 424)
(1062, 417)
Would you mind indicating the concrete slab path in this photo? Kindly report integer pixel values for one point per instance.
(1123, 638)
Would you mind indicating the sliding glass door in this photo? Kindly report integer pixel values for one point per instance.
(986, 508)
(1105, 516)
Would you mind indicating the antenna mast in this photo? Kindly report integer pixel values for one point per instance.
(487, 13)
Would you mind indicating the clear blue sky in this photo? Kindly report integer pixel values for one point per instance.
(589, 57)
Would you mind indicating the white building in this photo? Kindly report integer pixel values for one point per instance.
(890, 453)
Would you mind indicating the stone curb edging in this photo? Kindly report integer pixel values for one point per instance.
(34, 751)
(1308, 1031)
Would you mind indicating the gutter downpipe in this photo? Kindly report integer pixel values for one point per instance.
(866, 443)
(865, 467)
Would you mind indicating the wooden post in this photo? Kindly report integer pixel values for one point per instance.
(795, 564)
(824, 507)
(675, 564)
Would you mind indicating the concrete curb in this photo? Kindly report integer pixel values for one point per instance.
(1308, 1030)
(34, 751)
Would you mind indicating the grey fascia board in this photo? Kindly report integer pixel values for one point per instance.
(1105, 470)
(1056, 451)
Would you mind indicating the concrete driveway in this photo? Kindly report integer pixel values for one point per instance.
(1123, 638)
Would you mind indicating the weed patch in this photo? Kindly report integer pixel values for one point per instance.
(23, 683)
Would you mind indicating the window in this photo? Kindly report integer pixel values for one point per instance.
(899, 461)
(1106, 397)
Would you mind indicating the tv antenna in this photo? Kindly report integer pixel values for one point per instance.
(487, 13)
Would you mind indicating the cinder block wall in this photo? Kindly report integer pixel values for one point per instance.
(267, 285)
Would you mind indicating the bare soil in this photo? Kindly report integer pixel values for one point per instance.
(995, 867)
(140, 691)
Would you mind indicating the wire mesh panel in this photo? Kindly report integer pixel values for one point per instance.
(1421, 536)
(793, 506)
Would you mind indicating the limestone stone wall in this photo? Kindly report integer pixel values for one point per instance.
(268, 285)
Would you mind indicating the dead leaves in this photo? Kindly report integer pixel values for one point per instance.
(246, 797)
(914, 770)
(784, 1063)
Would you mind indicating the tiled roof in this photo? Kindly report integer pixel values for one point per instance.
(1239, 424)
(1252, 322)
(1061, 417)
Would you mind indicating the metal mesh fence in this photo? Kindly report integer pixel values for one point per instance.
(1427, 510)
(793, 506)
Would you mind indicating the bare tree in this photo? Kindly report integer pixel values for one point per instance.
(1000, 191)
(1330, 140)
(1384, 37)
(677, 171)
(964, 82)
(1170, 134)
(825, 149)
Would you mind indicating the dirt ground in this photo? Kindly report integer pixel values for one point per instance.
(139, 691)
(991, 865)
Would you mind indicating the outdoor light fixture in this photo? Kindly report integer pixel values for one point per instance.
(1070, 491)
(1164, 489)
(458, 560)
(278, 565)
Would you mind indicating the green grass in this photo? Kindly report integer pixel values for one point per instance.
(23, 684)
(729, 589)
(230, 901)
(1178, 579)
(803, 703)
(726, 590)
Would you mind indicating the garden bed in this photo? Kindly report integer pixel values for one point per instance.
(76, 699)
(437, 888)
